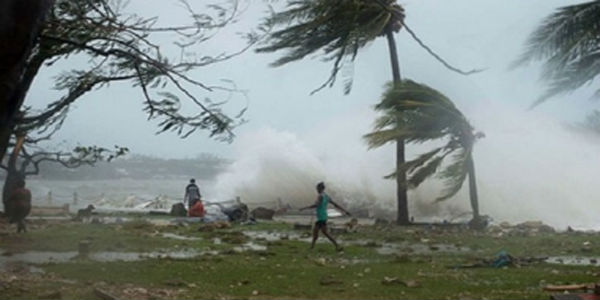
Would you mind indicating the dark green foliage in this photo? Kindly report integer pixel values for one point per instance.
(417, 113)
(338, 28)
(568, 42)
(120, 47)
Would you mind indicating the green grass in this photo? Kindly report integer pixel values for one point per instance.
(289, 270)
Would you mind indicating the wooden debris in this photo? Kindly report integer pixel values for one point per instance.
(104, 295)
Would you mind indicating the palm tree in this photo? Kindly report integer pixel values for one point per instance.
(339, 28)
(417, 113)
(568, 42)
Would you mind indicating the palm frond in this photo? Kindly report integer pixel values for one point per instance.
(420, 174)
(381, 137)
(568, 41)
(338, 28)
(454, 175)
(416, 113)
(412, 165)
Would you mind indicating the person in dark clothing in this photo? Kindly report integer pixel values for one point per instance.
(192, 194)
(20, 205)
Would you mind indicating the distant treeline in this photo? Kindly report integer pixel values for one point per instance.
(203, 167)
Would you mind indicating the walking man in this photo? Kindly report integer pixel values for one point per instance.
(321, 207)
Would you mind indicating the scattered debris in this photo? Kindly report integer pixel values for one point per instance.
(236, 213)
(390, 280)
(321, 261)
(411, 283)
(175, 282)
(501, 260)
(104, 295)
(135, 292)
(85, 212)
(329, 280)
(262, 213)
(535, 226)
(352, 225)
(178, 210)
(569, 287)
(51, 295)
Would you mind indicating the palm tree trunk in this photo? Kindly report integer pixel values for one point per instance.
(402, 198)
(473, 187)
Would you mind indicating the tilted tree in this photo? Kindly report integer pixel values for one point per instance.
(121, 47)
(338, 29)
(428, 116)
(568, 43)
(20, 23)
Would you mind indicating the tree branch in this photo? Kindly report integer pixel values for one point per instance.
(74, 94)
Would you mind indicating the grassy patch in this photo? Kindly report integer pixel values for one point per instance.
(288, 269)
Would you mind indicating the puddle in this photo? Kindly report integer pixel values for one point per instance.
(42, 257)
(99, 219)
(418, 248)
(309, 219)
(104, 220)
(180, 237)
(272, 236)
(382, 248)
(250, 247)
(574, 260)
(136, 256)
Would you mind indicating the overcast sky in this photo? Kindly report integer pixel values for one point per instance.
(469, 34)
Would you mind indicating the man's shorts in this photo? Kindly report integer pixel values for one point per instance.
(320, 224)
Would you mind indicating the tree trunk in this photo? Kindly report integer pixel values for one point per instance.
(12, 176)
(20, 22)
(402, 197)
(473, 187)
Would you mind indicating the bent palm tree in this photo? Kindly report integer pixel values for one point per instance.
(417, 113)
(568, 41)
(340, 28)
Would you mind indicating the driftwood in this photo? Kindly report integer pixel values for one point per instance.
(104, 295)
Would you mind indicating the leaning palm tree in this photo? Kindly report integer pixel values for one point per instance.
(568, 42)
(339, 28)
(417, 113)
